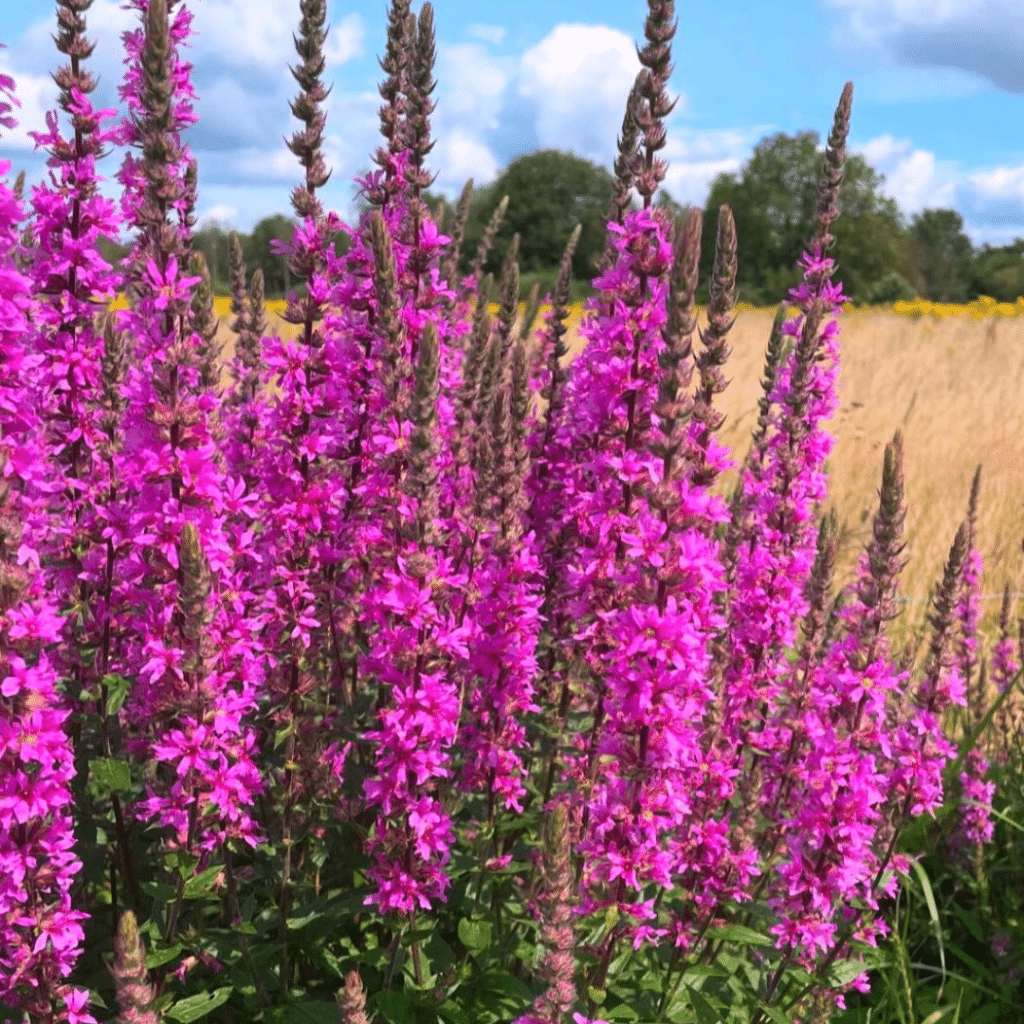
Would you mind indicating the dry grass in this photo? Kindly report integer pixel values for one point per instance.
(954, 386)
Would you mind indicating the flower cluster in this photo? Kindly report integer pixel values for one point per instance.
(40, 931)
(410, 580)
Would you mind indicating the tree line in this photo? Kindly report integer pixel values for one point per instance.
(882, 255)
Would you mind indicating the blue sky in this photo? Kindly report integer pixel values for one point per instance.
(938, 101)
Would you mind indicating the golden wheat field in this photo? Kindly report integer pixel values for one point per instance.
(952, 379)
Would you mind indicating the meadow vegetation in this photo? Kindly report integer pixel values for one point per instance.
(428, 661)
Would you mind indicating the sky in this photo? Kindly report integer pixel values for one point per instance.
(938, 103)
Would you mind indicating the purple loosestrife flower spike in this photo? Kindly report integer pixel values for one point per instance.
(307, 142)
(352, 1000)
(203, 320)
(395, 64)
(424, 444)
(135, 993)
(627, 164)
(157, 184)
(877, 588)
(557, 936)
(171, 473)
(419, 104)
(495, 369)
(819, 587)
(508, 304)
(1005, 667)
(656, 106)
(756, 458)
(236, 276)
(73, 283)
(472, 284)
(639, 585)
(968, 610)
(40, 933)
(450, 260)
(395, 360)
(832, 171)
(783, 485)
(473, 363)
(519, 406)
(941, 657)
(249, 325)
(675, 406)
(919, 749)
(840, 696)
(530, 311)
(551, 350)
(311, 245)
(714, 348)
(974, 825)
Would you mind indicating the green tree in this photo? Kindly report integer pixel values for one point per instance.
(550, 192)
(256, 249)
(998, 271)
(943, 255)
(774, 198)
(212, 241)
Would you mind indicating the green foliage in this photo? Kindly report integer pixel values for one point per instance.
(894, 287)
(999, 271)
(212, 241)
(956, 952)
(943, 255)
(774, 199)
(550, 192)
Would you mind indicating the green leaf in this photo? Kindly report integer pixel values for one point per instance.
(392, 1005)
(158, 957)
(199, 1006)
(621, 1012)
(706, 1013)
(969, 921)
(706, 971)
(741, 934)
(202, 884)
(934, 1018)
(933, 913)
(109, 775)
(844, 971)
(776, 1013)
(986, 1015)
(678, 1013)
(303, 1012)
(117, 691)
(967, 744)
(454, 1013)
(475, 935)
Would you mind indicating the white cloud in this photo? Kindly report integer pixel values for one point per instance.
(463, 157)
(577, 80)
(696, 158)
(36, 94)
(345, 41)
(488, 33)
(474, 84)
(990, 200)
(979, 37)
(221, 213)
(913, 177)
